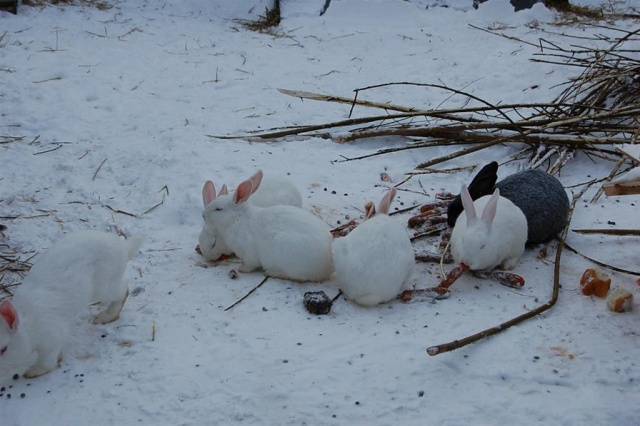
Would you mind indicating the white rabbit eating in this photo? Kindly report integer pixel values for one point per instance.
(497, 238)
(36, 324)
(285, 241)
(273, 191)
(376, 259)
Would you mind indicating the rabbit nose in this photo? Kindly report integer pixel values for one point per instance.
(197, 249)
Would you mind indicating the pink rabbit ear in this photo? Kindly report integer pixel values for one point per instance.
(386, 201)
(467, 204)
(9, 314)
(243, 192)
(224, 190)
(369, 210)
(208, 193)
(489, 212)
(255, 180)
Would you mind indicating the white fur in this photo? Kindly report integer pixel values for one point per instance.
(489, 241)
(374, 261)
(80, 269)
(285, 241)
(274, 191)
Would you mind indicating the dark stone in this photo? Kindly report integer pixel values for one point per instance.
(317, 302)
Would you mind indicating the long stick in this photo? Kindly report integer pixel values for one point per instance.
(264, 280)
(457, 154)
(339, 99)
(622, 232)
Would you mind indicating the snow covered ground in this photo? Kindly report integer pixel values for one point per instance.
(138, 87)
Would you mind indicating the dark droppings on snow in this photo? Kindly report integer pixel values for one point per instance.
(420, 394)
(136, 291)
(15, 377)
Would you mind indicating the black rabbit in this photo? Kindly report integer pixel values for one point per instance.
(539, 195)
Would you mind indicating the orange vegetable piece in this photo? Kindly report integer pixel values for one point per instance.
(595, 283)
(620, 300)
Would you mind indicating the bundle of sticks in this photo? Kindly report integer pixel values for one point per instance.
(597, 109)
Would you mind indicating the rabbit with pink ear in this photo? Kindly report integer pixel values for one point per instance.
(284, 241)
(273, 191)
(36, 325)
(375, 260)
(495, 239)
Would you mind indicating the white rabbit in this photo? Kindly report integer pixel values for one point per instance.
(36, 324)
(285, 241)
(376, 259)
(274, 191)
(495, 239)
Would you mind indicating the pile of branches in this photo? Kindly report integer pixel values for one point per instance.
(596, 109)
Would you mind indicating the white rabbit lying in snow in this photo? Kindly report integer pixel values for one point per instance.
(36, 324)
(285, 241)
(376, 259)
(274, 191)
(497, 238)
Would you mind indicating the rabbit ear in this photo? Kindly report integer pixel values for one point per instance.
(369, 210)
(224, 190)
(255, 180)
(9, 314)
(385, 203)
(208, 193)
(243, 192)
(484, 182)
(489, 212)
(467, 204)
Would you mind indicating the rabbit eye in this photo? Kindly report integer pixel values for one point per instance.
(3, 350)
(218, 209)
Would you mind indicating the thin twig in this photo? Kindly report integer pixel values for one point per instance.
(98, 169)
(600, 263)
(264, 280)
(604, 231)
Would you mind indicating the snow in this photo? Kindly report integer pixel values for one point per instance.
(142, 84)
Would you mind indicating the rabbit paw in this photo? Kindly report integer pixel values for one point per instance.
(247, 267)
(112, 312)
(510, 263)
(44, 366)
(37, 371)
